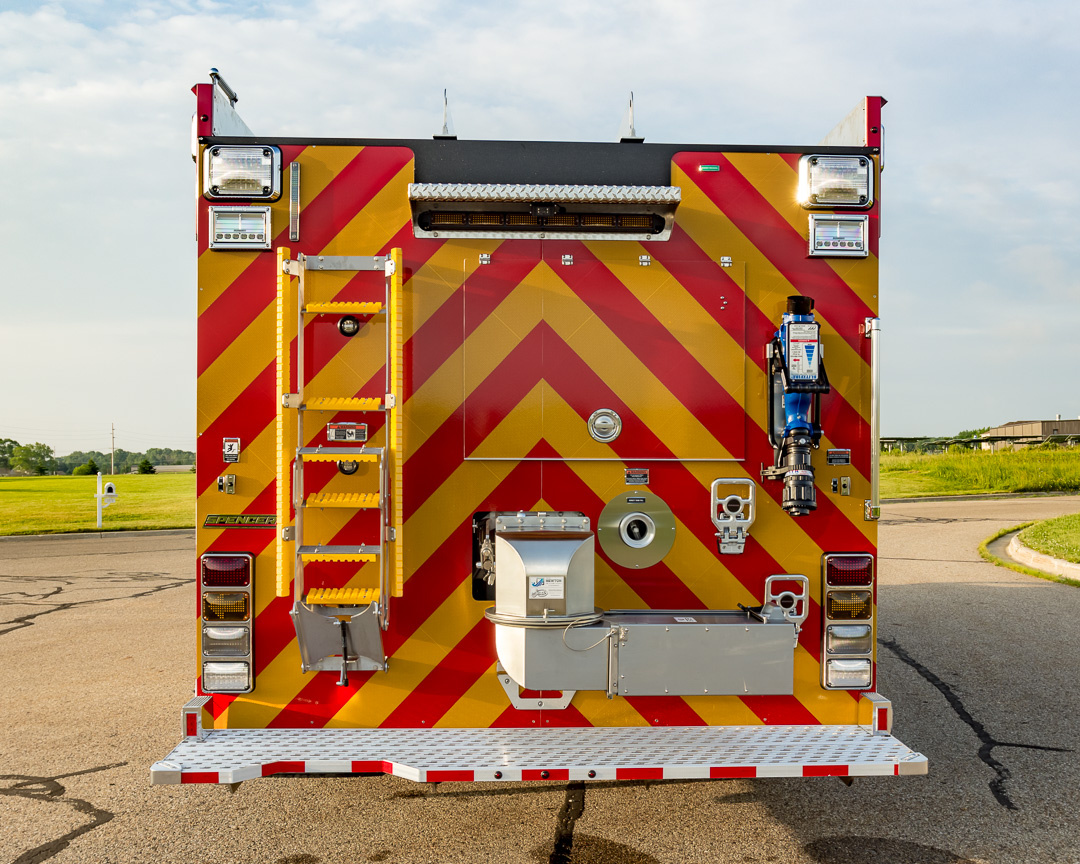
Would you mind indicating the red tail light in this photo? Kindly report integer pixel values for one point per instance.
(845, 570)
(225, 571)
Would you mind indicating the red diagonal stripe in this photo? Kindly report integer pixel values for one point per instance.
(324, 218)
(782, 245)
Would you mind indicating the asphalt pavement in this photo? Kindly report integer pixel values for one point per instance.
(96, 651)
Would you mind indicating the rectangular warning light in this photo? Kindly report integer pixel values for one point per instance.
(835, 235)
(239, 227)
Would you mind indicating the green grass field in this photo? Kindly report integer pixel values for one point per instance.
(54, 505)
(1057, 537)
(914, 475)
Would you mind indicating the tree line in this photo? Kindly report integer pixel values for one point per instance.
(38, 458)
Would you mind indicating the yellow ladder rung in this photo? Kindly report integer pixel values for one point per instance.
(344, 308)
(342, 596)
(351, 500)
(327, 456)
(362, 557)
(344, 403)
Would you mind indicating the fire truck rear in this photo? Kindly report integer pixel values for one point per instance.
(520, 460)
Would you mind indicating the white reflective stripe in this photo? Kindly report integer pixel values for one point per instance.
(328, 766)
(686, 772)
(871, 770)
(793, 770)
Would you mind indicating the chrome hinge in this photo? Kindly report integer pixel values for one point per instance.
(644, 260)
(725, 261)
(485, 257)
(567, 260)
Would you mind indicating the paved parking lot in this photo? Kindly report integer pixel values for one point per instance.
(95, 644)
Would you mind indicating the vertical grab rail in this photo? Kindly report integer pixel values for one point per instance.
(872, 507)
(395, 375)
(284, 379)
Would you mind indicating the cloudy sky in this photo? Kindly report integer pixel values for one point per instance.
(980, 264)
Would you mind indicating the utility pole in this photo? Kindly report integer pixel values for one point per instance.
(112, 456)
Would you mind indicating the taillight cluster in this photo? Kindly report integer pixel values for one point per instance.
(848, 629)
(225, 583)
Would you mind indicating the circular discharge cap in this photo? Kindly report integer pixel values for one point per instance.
(605, 425)
(636, 529)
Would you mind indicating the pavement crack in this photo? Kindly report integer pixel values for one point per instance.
(50, 789)
(21, 621)
(571, 811)
(987, 742)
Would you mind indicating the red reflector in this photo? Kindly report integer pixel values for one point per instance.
(226, 570)
(849, 570)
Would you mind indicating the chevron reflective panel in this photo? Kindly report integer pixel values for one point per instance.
(507, 348)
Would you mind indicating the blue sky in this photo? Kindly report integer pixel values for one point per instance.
(979, 259)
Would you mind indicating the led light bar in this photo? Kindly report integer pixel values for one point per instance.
(226, 677)
(834, 235)
(847, 674)
(225, 605)
(848, 605)
(250, 173)
(226, 641)
(845, 570)
(239, 227)
(836, 181)
(231, 571)
(849, 639)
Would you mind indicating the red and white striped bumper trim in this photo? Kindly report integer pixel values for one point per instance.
(562, 754)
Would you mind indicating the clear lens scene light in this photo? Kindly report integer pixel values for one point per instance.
(252, 173)
(836, 181)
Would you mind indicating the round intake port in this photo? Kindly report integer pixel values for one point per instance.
(733, 505)
(605, 425)
(637, 530)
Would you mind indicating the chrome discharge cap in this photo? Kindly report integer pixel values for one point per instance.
(605, 425)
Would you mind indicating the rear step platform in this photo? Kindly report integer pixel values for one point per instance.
(473, 755)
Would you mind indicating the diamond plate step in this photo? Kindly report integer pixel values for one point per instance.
(632, 753)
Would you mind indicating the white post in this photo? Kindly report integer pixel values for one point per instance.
(98, 499)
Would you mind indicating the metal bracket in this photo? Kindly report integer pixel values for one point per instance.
(733, 515)
(288, 533)
(347, 262)
(191, 714)
(522, 704)
(390, 400)
(785, 605)
(290, 267)
(319, 636)
(882, 717)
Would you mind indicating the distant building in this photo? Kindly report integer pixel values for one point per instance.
(1022, 433)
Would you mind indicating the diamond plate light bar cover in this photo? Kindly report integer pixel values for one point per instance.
(546, 193)
(438, 755)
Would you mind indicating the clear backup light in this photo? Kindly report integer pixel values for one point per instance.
(251, 173)
(226, 642)
(226, 677)
(849, 639)
(836, 181)
(847, 674)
